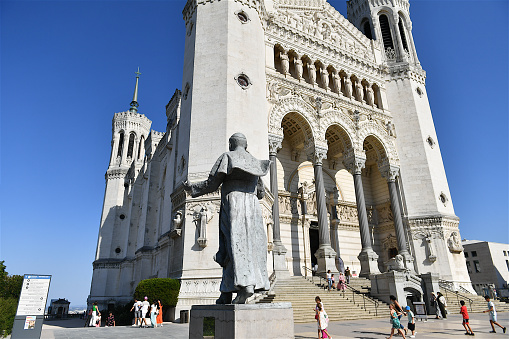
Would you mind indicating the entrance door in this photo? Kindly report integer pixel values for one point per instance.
(314, 241)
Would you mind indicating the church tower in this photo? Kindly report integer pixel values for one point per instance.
(431, 224)
(129, 132)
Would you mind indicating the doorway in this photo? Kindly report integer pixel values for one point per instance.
(314, 241)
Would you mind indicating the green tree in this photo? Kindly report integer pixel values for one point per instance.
(10, 289)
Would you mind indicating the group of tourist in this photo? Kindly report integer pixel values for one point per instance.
(397, 312)
(343, 280)
(144, 308)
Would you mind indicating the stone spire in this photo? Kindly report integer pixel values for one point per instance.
(134, 103)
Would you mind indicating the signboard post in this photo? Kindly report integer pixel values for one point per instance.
(420, 310)
(31, 306)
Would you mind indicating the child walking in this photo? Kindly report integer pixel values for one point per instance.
(323, 321)
(396, 325)
(411, 321)
(464, 313)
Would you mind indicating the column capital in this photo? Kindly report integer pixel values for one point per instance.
(388, 171)
(317, 154)
(275, 143)
(353, 162)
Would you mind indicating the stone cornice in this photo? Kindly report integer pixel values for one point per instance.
(330, 100)
(131, 121)
(116, 173)
(406, 71)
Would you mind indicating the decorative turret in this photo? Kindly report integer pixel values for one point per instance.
(389, 23)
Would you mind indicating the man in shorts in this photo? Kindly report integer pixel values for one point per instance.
(411, 321)
(137, 311)
(464, 313)
(493, 315)
(144, 310)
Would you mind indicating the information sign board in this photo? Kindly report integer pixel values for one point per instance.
(34, 293)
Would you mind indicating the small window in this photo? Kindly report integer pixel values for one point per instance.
(117, 250)
(122, 216)
(402, 34)
(419, 91)
(367, 30)
(474, 253)
(386, 32)
(430, 141)
(505, 254)
(477, 266)
(466, 254)
(507, 264)
(443, 199)
(469, 267)
(242, 16)
(120, 145)
(243, 81)
(130, 146)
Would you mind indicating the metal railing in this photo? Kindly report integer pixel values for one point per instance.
(354, 291)
(444, 286)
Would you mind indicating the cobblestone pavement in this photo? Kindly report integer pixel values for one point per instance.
(359, 329)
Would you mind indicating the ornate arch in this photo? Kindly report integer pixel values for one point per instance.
(338, 117)
(370, 128)
(296, 105)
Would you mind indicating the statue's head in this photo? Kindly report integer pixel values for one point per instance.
(237, 140)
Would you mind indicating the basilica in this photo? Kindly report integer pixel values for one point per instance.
(338, 105)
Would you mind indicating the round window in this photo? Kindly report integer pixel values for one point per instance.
(242, 16)
(243, 81)
(122, 216)
(117, 250)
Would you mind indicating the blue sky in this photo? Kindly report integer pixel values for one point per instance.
(67, 66)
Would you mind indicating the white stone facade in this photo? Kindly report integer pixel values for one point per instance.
(339, 105)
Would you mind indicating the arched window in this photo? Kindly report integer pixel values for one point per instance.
(386, 32)
(120, 145)
(130, 146)
(140, 146)
(402, 33)
(366, 27)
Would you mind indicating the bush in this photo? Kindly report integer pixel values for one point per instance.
(8, 311)
(164, 289)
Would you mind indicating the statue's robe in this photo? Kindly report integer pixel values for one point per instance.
(242, 238)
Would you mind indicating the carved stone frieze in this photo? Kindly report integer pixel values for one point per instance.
(348, 213)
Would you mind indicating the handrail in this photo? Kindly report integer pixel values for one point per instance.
(353, 290)
(444, 287)
(364, 298)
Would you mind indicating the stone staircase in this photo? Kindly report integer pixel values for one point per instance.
(349, 305)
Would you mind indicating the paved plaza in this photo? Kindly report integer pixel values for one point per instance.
(360, 329)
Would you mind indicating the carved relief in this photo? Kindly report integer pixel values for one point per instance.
(176, 229)
(454, 243)
(348, 213)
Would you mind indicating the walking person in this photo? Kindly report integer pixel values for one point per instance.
(411, 321)
(137, 312)
(493, 315)
(333, 281)
(329, 280)
(399, 310)
(464, 313)
(396, 325)
(442, 304)
(323, 322)
(153, 314)
(159, 319)
(144, 310)
(434, 303)
(348, 274)
(319, 308)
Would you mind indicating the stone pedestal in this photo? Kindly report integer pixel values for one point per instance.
(369, 263)
(279, 253)
(243, 321)
(402, 285)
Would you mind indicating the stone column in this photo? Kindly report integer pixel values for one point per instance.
(325, 255)
(278, 249)
(402, 54)
(367, 257)
(391, 173)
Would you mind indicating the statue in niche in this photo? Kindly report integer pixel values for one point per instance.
(177, 225)
(202, 216)
(242, 241)
(454, 243)
(430, 251)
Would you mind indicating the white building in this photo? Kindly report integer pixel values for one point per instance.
(487, 265)
(338, 105)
